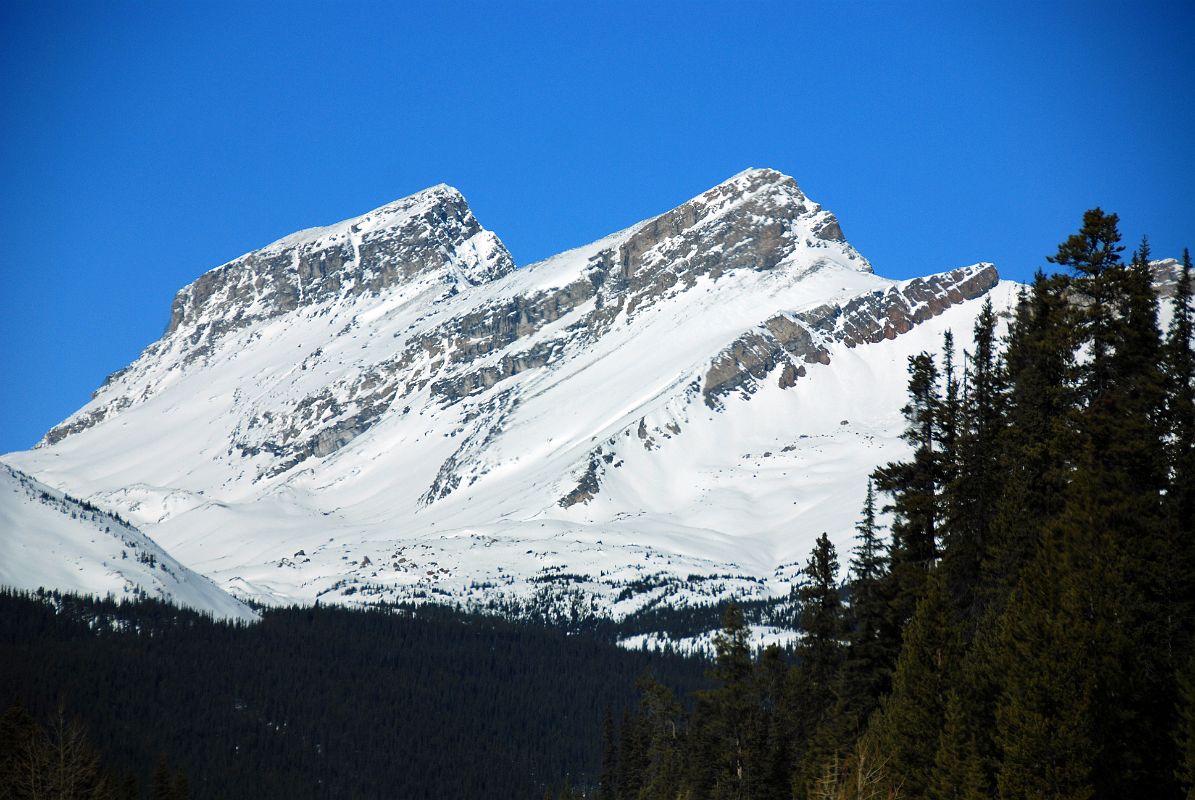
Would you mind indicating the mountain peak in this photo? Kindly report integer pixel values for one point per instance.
(757, 176)
(430, 236)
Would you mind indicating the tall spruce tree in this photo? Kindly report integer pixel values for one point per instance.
(661, 727)
(914, 488)
(868, 657)
(958, 772)
(1117, 496)
(872, 639)
(721, 767)
(607, 788)
(975, 481)
(820, 650)
(1179, 368)
(1045, 718)
(1105, 537)
(909, 724)
(1184, 734)
(1035, 445)
(821, 621)
(1094, 255)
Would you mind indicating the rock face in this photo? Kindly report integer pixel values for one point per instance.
(391, 396)
(430, 233)
(806, 337)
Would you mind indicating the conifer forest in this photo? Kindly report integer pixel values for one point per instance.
(1024, 629)
(1016, 619)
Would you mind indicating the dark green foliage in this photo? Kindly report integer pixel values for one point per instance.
(1184, 735)
(1094, 255)
(326, 702)
(914, 488)
(1036, 443)
(608, 780)
(1179, 374)
(728, 708)
(660, 730)
(975, 481)
(167, 783)
(909, 725)
(958, 772)
(1039, 587)
(821, 620)
(1045, 717)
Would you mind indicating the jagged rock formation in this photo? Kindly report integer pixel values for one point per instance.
(391, 397)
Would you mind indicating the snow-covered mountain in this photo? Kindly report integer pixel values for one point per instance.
(387, 408)
(53, 541)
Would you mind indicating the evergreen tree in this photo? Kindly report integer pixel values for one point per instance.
(975, 482)
(724, 726)
(771, 737)
(1185, 732)
(1036, 443)
(820, 650)
(867, 658)
(913, 486)
(909, 724)
(608, 781)
(821, 621)
(660, 717)
(872, 639)
(1117, 497)
(1045, 717)
(1094, 255)
(949, 416)
(1179, 366)
(958, 773)
(632, 758)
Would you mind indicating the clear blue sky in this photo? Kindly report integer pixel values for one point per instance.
(145, 143)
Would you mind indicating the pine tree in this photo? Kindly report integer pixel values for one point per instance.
(913, 486)
(1184, 735)
(1045, 719)
(949, 417)
(632, 757)
(660, 716)
(872, 639)
(1179, 368)
(1094, 255)
(958, 772)
(820, 620)
(770, 736)
(975, 482)
(608, 781)
(1036, 443)
(820, 651)
(868, 656)
(909, 724)
(724, 728)
(1117, 497)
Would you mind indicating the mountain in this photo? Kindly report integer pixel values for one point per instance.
(386, 408)
(54, 541)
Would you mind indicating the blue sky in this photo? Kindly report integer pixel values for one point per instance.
(145, 143)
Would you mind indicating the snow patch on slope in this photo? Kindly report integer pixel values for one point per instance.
(53, 541)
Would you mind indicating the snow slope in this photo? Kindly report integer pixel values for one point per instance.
(54, 541)
(385, 408)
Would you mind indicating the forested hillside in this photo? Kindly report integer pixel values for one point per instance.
(308, 703)
(1024, 629)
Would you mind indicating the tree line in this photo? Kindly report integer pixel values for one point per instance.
(1026, 627)
(126, 701)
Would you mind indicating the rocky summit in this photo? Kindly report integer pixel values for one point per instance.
(386, 408)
